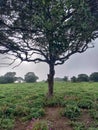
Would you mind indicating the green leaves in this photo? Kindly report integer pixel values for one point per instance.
(71, 111)
(45, 2)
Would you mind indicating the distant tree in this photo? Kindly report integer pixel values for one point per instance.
(9, 77)
(94, 77)
(73, 79)
(65, 78)
(2, 80)
(58, 79)
(48, 31)
(30, 77)
(83, 78)
(19, 80)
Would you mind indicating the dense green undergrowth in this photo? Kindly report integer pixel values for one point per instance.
(27, 101)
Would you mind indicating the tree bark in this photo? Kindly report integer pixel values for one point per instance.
(51, 80)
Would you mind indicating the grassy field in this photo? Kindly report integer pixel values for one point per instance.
(22, 105)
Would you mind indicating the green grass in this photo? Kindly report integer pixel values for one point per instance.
(27, 101)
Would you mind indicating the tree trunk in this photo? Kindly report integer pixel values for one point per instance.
(51, 80)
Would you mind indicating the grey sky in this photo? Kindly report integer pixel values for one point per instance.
(86, 62)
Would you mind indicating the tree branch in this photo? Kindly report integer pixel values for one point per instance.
(18, 28)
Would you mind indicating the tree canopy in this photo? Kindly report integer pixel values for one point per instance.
(47, 30)
(9, 77)
(94, 77)
(30, 77)
(83, 78)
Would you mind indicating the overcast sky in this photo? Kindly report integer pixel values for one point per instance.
(86, 62)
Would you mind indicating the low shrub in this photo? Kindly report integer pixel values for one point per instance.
(6, 111)
(71, 111)
(36, 113)
(53, 101)
(68, 102)
(78, 125)
(21, 111)
(6, 124)
(38, 103)
(39, 125)
(85, 104)
(94, 113)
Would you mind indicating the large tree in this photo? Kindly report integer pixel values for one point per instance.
(47, 31)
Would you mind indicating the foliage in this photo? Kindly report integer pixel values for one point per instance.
(19, 79)
(71, 111)
(85, 104)
(58, 79)
(94, 113)
(39, 125)
(68, 102)
(53, 101)
(20, 110)
(30, 77)
(6, 124)
(65, 78)
(78, 125)
(9, 77)
(83, 78)
(36, 113)
(94, 77)
(73, 79)
(2, 80)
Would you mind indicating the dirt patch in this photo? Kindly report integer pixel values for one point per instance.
(86, 118)
(53, 116)
(19, 125)
(58, 122)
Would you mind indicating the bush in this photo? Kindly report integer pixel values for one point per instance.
(6, 111)
(73, 79)
(36, 113)
(94, 114)
(85, 104)
(21, 111)
(71, 111)
(53, 101)
(6, 124)
(38, 102)
(78, 125)
(39, 125)
(68, 102)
